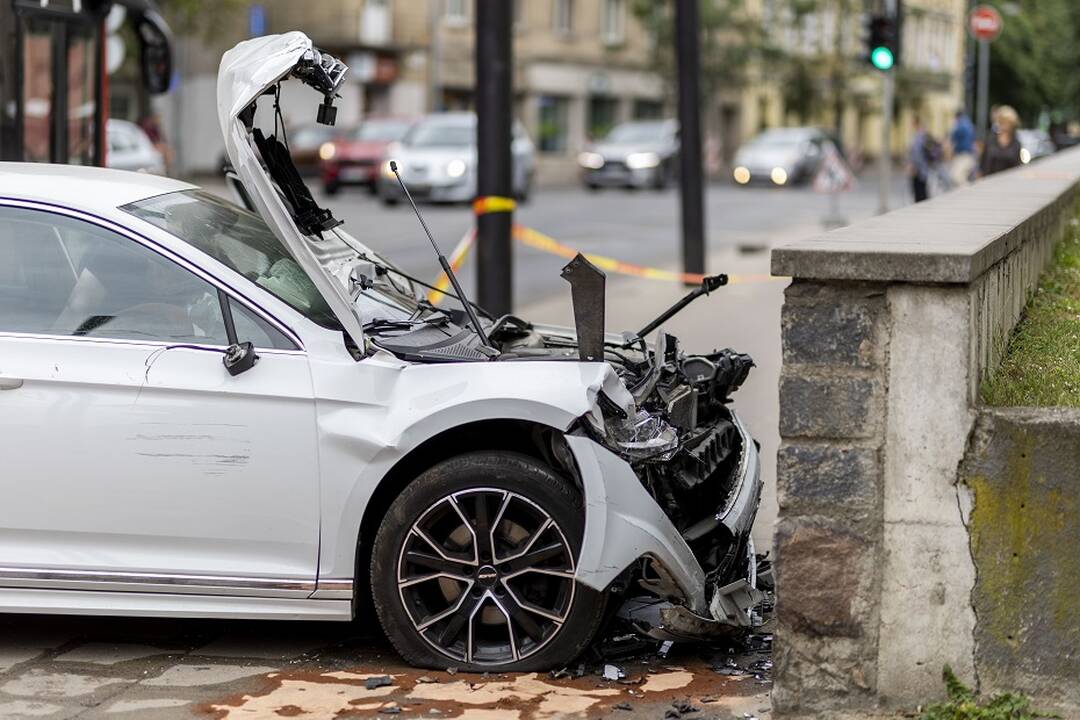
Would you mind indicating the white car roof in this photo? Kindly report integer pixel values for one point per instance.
(89, 188)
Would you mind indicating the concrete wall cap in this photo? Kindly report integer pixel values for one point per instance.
(953, 238)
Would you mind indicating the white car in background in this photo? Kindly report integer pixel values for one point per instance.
(437, 158)
(212, 412)
(131, 149)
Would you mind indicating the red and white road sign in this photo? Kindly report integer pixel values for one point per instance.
(834, 175)
(984, 23)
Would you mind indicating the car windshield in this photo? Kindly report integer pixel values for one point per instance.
(637, 133)
(441, 135)
(242, 241)
(381, 130)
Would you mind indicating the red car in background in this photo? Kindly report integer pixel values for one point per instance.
(355, 157)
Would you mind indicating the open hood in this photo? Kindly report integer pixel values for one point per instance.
(252, 70)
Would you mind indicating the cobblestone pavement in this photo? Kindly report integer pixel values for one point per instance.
(68, 667)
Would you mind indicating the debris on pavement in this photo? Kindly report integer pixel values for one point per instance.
(378, 681)
(611, 672)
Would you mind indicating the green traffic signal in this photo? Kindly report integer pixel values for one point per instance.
(881, 58)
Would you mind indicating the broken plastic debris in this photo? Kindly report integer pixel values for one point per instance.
(665, 648)
(377, 682)
(424, 680)
(622, 706)
(611, 672)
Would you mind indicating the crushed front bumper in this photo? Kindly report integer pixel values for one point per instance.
(623, 524)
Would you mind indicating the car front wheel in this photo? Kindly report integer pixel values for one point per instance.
(473, 567)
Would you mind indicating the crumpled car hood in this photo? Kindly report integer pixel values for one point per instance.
(246, 72)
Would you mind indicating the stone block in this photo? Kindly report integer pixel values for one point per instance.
(826, 578)
(814, 478)
(828, 406)
(829, 325)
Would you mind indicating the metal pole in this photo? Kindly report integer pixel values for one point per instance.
(982, 112)
(494, 112)
(435, 13)
(888, 89)
(885, 156)
(691, 183)
(969, 67)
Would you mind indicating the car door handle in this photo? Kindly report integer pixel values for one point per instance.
(10, 383)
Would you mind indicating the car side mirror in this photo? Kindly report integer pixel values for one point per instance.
(239, 358)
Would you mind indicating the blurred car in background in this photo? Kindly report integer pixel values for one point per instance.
(130, 148)
(642, 153)
(304, 144)
(437, 160)
(1034, 144)
(354, 158)
(781, 156)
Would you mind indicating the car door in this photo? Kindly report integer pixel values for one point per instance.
(132, 458)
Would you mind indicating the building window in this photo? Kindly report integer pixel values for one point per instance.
(564, 17)
(645, 109)
(553, 125)
(602, 110)
(614, 24)
(457, 11)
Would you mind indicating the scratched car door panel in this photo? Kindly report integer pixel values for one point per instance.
(146, 457)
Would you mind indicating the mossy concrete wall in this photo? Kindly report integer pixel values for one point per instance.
(1023, 474)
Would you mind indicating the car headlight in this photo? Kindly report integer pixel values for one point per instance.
(741, 175)
(642, 160)
(779, 175)
(455, 168)
(1025, 155)
(327, 150)
(591, 160)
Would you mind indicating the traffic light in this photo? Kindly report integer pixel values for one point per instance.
(883, 40)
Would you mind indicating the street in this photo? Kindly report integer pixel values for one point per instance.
(640, 227)
(71, 667)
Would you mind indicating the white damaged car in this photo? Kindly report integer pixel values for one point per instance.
(207, 411)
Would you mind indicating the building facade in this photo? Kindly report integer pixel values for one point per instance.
(581, 66)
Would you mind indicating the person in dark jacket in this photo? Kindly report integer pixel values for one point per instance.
(1002, 149)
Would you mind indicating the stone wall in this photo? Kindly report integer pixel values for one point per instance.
(888, 328)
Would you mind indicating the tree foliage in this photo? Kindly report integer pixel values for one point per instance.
(204, 18)
(731, 39)
(1033, 63)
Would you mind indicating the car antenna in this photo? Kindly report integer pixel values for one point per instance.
(473, 319)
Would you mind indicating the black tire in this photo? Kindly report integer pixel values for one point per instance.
(331, 188)
(389, 201)
(489, 625)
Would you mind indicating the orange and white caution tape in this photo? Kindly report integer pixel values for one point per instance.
(539, 241)
(457, 259)
(544, 243)
(493, 204)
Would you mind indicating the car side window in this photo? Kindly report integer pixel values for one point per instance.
(63, 276)
(252, 328)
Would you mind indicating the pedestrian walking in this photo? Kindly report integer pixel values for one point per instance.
(924, 154)
(962, 140)
(1002, 149)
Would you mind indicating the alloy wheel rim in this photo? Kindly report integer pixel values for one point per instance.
(486, 576)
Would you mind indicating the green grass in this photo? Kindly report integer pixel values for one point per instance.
(1041, 366)
(963, 705)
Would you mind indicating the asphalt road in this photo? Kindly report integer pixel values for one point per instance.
(640, 227)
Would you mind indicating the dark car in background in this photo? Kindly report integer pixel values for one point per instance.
(355, 157)
(781, 156)
(641, 153)
(304, 144)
